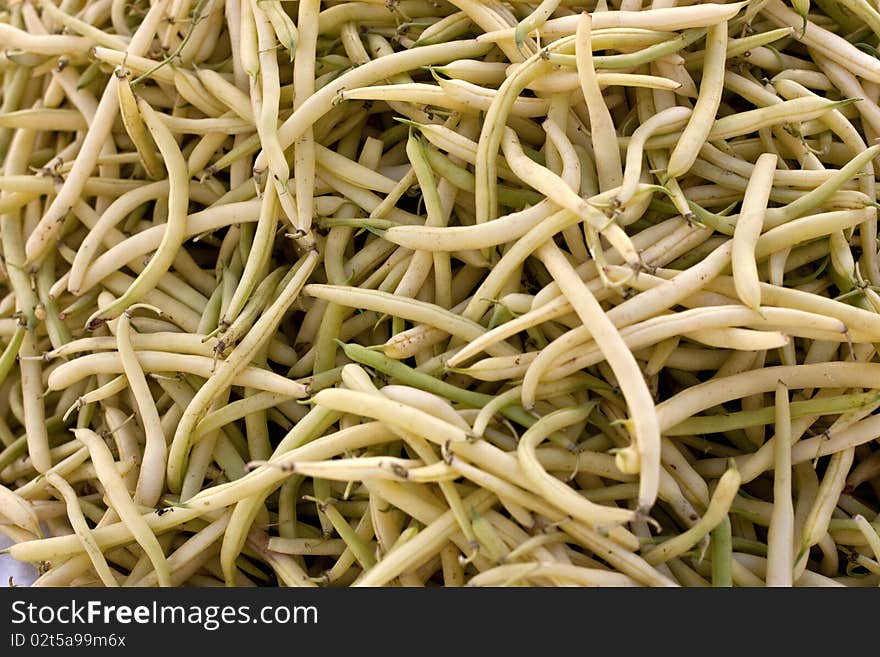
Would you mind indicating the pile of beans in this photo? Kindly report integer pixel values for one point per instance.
(440, 293)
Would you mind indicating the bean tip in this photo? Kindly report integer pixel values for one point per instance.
(94, 323)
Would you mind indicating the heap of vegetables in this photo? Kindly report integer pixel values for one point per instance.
(440, 293)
